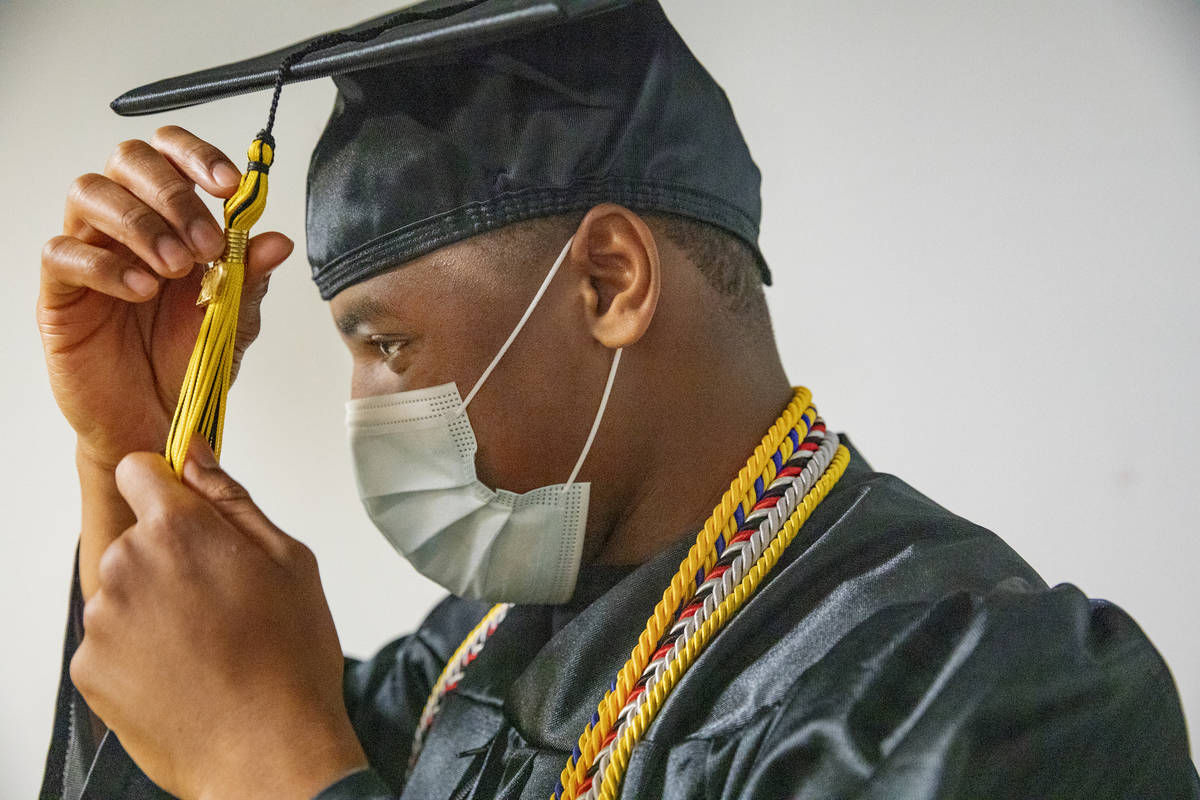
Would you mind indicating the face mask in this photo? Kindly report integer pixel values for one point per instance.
(414, 461)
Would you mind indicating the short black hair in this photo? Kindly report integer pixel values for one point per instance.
(727, 263)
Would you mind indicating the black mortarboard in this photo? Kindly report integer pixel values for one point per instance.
(455, 118)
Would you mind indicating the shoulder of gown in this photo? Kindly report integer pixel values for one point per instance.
(898, 650)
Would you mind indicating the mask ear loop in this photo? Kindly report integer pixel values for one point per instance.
(612, 374)
(521, 324)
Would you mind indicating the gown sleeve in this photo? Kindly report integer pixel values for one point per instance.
(1016, 694)
(386, 694)
(384, 697)
(71, 746)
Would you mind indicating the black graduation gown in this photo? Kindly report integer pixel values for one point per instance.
(895, 651)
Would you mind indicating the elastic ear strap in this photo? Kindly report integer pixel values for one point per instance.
(612, 374)
(524, 318)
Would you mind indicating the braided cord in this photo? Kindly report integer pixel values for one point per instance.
(788, 475)
(452, 673)
(658, 694)
(796, 480)
(759, 471)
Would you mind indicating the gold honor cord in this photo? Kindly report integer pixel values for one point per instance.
(702, 555)
(202, 398)
(612, 777)
(609, 739)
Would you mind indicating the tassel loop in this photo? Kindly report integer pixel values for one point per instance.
(246, 205)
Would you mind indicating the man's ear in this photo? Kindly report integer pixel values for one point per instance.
(616, 260)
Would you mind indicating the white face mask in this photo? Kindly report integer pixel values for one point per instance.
(414, 461)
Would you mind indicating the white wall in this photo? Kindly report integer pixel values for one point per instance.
(987, 210)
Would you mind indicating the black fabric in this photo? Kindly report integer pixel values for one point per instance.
(407, 37)
(614, 108)
(76, 768)
(896, 651)
(451, 142)
(56, 758)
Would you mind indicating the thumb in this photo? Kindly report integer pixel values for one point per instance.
(203, 475)
(147, 484)
(265, 252)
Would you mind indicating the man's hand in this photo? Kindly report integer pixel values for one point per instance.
(209, 648)
(117, 306)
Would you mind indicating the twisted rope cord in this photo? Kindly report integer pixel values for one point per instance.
(694, 611)
(452, 673)
(798, 446)
(656, 696)
(730, 569)
(759, 471)
(768, 519)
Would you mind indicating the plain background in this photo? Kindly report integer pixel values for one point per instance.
(982, 218)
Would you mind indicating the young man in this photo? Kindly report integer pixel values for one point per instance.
(538, 241)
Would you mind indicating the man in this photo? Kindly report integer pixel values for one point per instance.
(610, 324)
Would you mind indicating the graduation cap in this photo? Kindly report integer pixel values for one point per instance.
(456, 118)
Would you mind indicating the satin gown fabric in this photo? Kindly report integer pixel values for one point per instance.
(896, 651)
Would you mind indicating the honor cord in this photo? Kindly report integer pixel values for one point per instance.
(787, 476)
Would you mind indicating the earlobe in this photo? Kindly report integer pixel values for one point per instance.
(619, 271)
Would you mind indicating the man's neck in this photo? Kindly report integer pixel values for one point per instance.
(689, 465)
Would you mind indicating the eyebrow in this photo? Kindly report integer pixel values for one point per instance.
(359, 313)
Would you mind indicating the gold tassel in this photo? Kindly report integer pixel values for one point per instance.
(201, 407)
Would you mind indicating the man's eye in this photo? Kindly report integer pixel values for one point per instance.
(390, 347)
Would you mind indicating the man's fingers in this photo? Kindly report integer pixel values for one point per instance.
(69, 265)
(149, 486)
(163, 505)
(266, 252)
(203, 475)
(107, 206)
(154, 180)
(197, 159)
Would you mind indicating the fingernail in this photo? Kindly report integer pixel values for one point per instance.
(174, 255)
(207, 239)
(196, 468)
(143, 285)
(226, 175)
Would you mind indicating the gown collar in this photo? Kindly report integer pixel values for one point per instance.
(548, 666)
